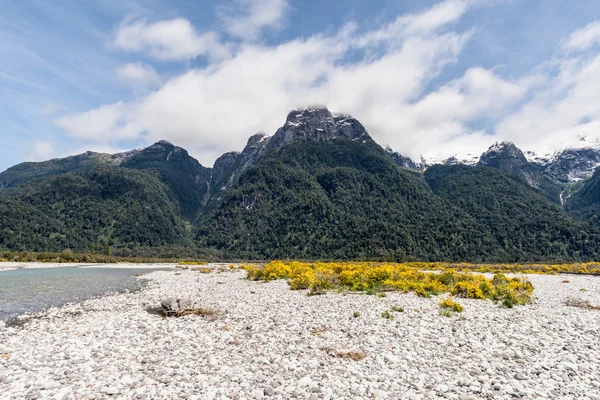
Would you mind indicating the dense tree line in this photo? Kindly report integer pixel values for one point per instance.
(339, 199)
(82, 211)
(343, 199)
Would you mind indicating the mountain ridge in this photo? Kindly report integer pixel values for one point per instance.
(319, 187)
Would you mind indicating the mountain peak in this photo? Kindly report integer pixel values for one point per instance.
(257, 138)
(503, 154)
(503, 146)
(163, 143)
(319, 124)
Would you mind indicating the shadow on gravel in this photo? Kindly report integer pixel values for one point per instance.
(155, 311)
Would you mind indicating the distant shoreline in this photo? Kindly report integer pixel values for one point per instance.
(11, 266)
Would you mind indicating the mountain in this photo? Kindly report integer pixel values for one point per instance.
(524, 224)
(568, 166)
(337, 199)
(508, 158)
(584, 202)
(81, 211)
(31, 171)
(573, 165)
(187, 179)
(319, 187)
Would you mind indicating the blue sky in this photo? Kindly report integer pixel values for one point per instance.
(432, 78)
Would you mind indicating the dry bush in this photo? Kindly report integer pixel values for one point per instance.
(581, 304)
(203, 312)
(346, 355)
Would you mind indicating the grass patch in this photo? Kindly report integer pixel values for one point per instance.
(398, 308)
(356, 314)
(387, 315)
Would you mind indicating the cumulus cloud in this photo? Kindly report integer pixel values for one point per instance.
(382, 76)
(584, 38)
(561, 114)
(169, 40)
(139, 75)
(215, 109)
(246, 18)
(104, 124)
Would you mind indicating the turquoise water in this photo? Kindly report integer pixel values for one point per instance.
(30, 290)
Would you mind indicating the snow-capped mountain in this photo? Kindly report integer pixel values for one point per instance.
(569, 165)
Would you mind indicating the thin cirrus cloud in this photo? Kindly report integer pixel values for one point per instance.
(584, 38)
(247, 18)
(388, 77)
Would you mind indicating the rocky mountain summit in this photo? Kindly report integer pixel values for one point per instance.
(316, 124)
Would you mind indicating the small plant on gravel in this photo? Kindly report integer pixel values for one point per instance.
(387, 315)
(356, 314)
(398, 308)
(449, 304)
(381, 295)
(446, 312)
(319, 331)
(204, 270)
(583, 290)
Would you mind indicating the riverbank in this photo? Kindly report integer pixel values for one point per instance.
(262, 340)
(9, 266)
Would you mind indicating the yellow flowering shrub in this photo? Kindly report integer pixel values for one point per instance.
(407, 277)
(450, 304)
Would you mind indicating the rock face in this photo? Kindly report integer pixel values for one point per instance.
(504, 156)
(508, 158)
(317, 124)
(403, 161)
(573, 165)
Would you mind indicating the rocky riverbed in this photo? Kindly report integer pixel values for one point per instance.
(266, 341)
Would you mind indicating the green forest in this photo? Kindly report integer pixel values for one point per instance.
(335, 199)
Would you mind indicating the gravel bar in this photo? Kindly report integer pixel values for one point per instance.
(267, 341)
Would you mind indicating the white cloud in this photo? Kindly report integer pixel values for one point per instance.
(584, 38)
(563, 112)
(169, 40)
(40, 150)
(246, 18)
(215, 109)
(382, 76)
(139, 75)
(104, 124)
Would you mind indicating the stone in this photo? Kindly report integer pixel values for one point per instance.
(391, 359)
